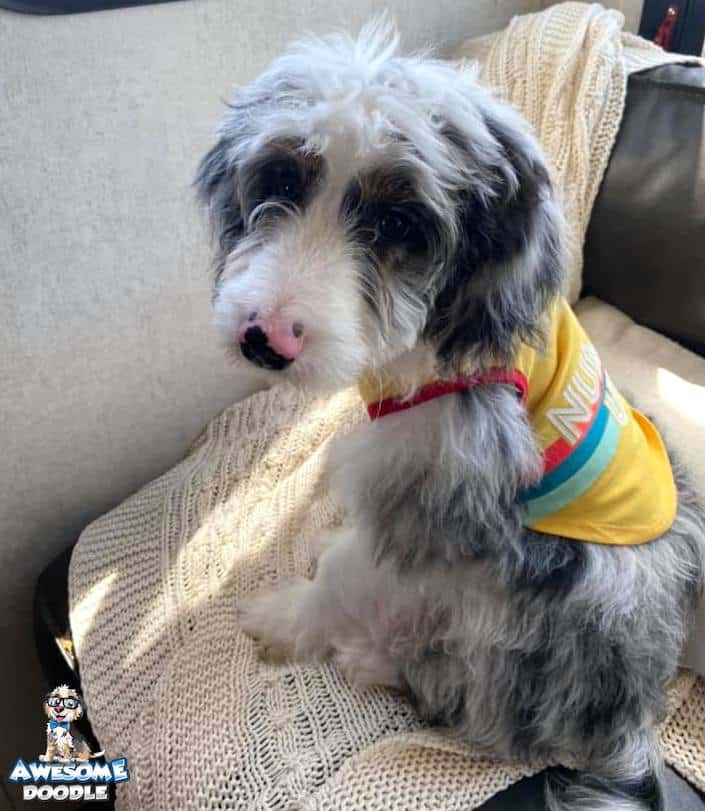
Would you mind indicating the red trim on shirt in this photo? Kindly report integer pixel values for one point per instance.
(439, 388)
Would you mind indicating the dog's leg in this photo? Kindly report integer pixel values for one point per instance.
(65, 744)
(298, 618)
(325, 540)
(365, 664)
(289, 621)
(307, 620)
(48, 756)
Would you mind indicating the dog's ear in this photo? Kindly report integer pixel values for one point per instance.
(216, 186)
(81, 709)
(508, 263)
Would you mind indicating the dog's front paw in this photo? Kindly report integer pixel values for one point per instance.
(364, 666)
(325, 539)
(270, 618)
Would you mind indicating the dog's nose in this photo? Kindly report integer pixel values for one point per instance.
(272, 343)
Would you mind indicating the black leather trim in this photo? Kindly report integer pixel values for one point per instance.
(71, 6)
(645, 245)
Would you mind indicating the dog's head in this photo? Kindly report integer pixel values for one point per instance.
(63, 704)
(364, 202)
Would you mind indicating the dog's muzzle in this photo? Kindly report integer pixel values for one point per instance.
(255, 347)
(270, 341)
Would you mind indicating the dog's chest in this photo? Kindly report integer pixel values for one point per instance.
(59, 735)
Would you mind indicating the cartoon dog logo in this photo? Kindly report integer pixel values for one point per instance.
(65, 744)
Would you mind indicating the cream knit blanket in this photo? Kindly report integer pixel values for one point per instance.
(170, 680)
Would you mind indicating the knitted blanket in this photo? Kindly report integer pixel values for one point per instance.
(170, 680)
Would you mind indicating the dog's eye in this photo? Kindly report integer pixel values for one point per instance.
(284, 183)
(393, 226)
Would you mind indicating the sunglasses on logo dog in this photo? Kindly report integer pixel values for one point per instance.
(69, 703)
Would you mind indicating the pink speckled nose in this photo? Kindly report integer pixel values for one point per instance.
(270, 341)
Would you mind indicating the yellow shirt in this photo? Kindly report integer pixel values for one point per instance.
(607, 477)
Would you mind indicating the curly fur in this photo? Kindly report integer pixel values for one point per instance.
(528, 645)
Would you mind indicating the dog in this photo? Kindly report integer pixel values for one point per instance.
(63, 706)
(384, 220)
